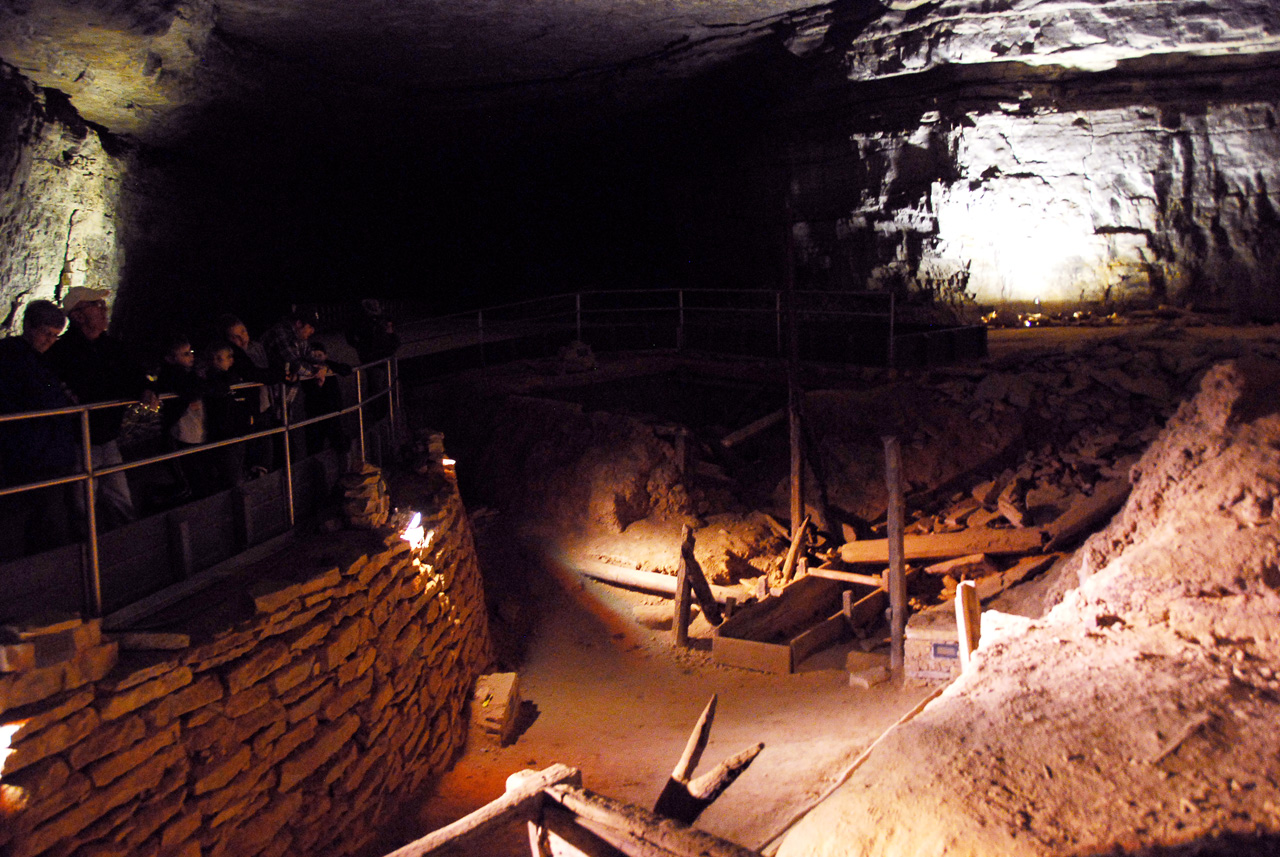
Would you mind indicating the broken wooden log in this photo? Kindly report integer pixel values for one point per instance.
(793, 553)
(523, 799)
(633, 830)
(683, 799)
(682, 605)
(649, 581)
(752, 429)
(625, 826)
(947, 545)
(847, 576)
(1086, 513)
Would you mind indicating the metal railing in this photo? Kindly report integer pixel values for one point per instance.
(88, 475)
(681, 308)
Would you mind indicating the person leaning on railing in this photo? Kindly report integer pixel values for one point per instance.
(33, 450)
(97, 367)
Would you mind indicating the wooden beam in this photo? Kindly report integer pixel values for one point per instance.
(752, 429)
(629, 828)
(876, 580)
(522, 801)
(1087, 513)
(649, 581)
(947, 545)
(968, 620)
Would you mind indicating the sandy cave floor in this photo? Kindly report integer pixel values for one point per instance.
(609, 696)
(612, 697)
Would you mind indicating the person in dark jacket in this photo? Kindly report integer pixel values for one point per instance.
(322, 395)
(249, 363)
(227, 415)
(97, 367)
(34, 450)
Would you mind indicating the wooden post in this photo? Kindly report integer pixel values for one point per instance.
(682, 604)
(793, 384)
(968, 620)
(897, 571)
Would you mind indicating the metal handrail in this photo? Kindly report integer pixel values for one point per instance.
(92, 570)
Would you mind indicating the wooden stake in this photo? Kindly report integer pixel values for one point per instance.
(680, 621)
(968, 620)
(897, 573)
(797, 545)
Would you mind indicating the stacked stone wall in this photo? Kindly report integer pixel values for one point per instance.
(298, 729)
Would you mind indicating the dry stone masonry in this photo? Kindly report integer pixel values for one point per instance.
(297, 728)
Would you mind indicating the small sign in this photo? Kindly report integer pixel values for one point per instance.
(950, 651)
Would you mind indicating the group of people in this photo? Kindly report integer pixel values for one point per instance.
(45, 368)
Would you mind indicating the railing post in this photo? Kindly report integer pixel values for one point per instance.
(680, 327)
(577, 314)
(288, 458)
(892, 319)
(777, 319)
(360, 412)
(393, 393)
(93, 572)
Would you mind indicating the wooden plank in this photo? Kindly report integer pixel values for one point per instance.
(875, 580)
(947, 545)
(821, 636)
(522, 800)
(751, 654)
(1087, 513)
(808, 600)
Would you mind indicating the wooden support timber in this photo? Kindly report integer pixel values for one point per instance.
(523, 799)
(683, 799)
(567, 820)
(947, 545)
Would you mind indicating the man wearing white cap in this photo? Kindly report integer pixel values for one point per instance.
(100, 368)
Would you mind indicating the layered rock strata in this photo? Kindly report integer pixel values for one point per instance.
(1051, 152)
(296, 729)
(59, 199)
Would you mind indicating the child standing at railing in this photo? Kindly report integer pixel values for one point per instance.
(183, 417)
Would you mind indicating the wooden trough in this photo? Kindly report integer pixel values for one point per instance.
(811, 614)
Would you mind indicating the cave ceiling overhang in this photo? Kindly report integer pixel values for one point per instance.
(152, 69)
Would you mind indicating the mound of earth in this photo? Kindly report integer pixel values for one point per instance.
(1136, 716)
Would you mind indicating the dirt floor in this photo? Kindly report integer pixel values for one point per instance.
(1133, 718)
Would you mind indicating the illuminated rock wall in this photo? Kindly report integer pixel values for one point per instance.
(298, 729)
(1054, 152)
(59, 192)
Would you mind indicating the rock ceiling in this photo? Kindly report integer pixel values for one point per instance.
(142, 67)
(139, 67)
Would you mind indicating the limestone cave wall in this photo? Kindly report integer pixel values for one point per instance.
(298, 729)
(1053, 152)
(59, 195)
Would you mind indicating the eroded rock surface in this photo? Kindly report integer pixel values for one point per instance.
(1136, 713)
